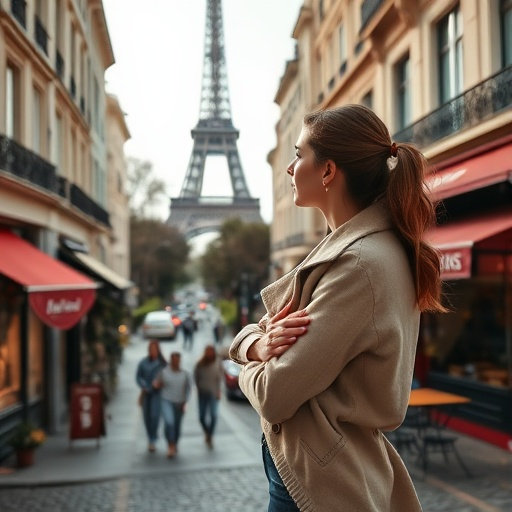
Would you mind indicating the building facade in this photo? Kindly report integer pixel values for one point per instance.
(439, 74)
(61, 195)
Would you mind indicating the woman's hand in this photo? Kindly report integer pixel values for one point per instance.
(282, 332)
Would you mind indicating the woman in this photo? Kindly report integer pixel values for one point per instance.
(175, 384)
(329, 367)
(147, 372)
(208, 375)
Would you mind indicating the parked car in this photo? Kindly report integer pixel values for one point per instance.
(160, 325)
(231, 373)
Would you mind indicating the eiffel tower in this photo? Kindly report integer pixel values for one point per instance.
(214, 134)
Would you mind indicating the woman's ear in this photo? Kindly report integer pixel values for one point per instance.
(329, 172)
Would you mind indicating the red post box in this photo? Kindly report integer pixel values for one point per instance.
(87, 412)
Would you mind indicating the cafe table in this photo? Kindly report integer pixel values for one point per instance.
(430, 411)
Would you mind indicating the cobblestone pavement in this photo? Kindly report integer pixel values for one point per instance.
(226, 490)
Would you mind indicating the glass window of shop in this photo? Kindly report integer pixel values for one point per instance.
(469, 342)
(11, 297)
(35, 361)
(506, 31)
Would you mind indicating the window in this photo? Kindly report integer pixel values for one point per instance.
(58, 144)
(450, 56)
(36, 121)
(367, 100)
(342, 44)
(506, 31)
(10, 343)
(403, 91)
(12, 91)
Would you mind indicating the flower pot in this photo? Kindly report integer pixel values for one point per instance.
(25, 457)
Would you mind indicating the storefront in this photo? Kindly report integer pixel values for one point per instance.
(39, 296)
(468, 351)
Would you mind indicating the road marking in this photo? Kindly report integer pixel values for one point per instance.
(468, 498)
(123, 493)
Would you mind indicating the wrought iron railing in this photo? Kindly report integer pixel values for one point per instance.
(18, 9)
(41, 35)
(368, 9)
(466, 110)
(25, 164)
(59, 64)
(84, 203)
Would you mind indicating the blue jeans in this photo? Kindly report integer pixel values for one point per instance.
(280, 500)
(151, 414)
(172, 414)
(208, 408)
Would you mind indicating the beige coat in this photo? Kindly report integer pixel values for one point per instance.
(324, 403)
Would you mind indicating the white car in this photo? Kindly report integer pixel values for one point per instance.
(159, 325)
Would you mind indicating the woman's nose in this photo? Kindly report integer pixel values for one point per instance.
(291, 166)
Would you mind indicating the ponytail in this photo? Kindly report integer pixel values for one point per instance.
(413, 213)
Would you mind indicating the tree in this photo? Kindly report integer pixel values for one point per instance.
(237, 262)
(159, 252)
(144, 189)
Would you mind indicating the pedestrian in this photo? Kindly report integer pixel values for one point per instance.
(147, 371)
(175, 384)
(218, 331)
(330, 364)
(208, 375)
(189, 326)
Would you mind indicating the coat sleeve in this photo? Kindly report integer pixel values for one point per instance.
(341, 307)
(243, 340)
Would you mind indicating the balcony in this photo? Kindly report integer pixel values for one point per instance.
(23, 163)
(18, 8)
(368, 10)
(27, 165)
(41, 35)
(465, 111)
(84, 203)
(59, 65)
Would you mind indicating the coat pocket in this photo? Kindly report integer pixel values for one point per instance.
(323, 445)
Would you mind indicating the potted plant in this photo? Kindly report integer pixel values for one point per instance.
(25, 439)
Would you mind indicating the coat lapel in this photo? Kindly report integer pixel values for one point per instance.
(373, 219)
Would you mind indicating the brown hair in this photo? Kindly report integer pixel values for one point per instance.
(205, 359)
(358, 142)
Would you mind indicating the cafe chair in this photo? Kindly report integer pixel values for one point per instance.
(433, 440)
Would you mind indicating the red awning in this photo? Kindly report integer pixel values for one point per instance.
(58, 294)
(480, 171)
(455, 241)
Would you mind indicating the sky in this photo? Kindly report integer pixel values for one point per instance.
(158, 47)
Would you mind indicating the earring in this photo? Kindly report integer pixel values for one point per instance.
(326, 188)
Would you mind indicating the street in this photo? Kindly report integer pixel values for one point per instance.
(126, 478)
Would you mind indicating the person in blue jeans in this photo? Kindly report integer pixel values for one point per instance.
(208, 375)
(147, 372)
(175, 384)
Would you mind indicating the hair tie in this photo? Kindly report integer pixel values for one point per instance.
(393, 159)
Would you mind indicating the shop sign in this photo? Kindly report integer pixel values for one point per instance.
(62, 308)
(456, 263)
(87, 411)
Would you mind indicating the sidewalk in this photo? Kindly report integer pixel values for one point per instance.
(209, 479)
(123, 452)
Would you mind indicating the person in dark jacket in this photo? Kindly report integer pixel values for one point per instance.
(147, 372)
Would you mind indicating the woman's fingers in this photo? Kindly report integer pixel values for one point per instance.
(283, 313)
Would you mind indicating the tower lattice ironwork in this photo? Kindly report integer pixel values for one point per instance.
(214, 134)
